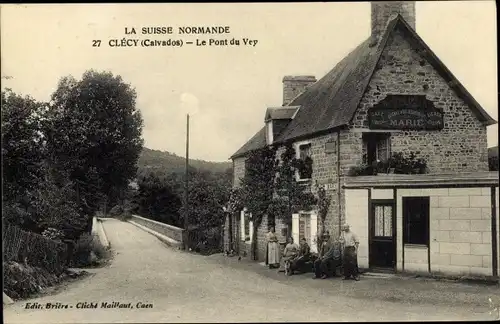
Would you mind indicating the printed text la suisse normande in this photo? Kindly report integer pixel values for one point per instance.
(181, 30)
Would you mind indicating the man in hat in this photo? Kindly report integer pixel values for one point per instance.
(326, 245)
(350, 243)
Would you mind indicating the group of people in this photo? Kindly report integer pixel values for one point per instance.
(332, 254)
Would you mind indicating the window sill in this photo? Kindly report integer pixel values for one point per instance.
(304, 180)
(416, 246)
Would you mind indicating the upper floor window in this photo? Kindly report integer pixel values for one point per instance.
(304, 159)
(376, 147)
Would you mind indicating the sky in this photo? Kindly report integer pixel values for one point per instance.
(226, 89)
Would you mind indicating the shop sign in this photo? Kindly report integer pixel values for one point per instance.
(405, 113)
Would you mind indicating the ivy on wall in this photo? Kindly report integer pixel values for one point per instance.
(256, 191)
(270, 188)
(290, 195)
(323, 206)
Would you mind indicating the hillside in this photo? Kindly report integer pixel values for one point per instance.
(169, 163)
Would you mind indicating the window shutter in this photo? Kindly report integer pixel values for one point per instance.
(250, 224)
(314, 232)
(295, 227)
(242, 225)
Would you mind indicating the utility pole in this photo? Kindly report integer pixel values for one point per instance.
(186, 190)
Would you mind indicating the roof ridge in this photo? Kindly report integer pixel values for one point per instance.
(357, 48)
(380, 46)
(333, 100)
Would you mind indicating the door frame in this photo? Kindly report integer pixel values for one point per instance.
(371, 228)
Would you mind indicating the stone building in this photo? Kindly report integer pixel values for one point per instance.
(390, 95)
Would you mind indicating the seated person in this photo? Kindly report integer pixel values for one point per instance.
(304, 256)
(324, 247)
(327, 264)
(289, 254)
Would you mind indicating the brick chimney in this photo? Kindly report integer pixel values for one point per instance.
(293, 85)
(383, 11)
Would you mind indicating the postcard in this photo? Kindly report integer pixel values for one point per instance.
(250, 162)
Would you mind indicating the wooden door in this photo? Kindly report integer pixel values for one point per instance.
(382, 238)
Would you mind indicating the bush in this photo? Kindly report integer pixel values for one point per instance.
(121, 212)
(53, 234)
(88, 251)
(206, 241)
(398, 162)
(21, 281)
(116, 211)
(359, 170)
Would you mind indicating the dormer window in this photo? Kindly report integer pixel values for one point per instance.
(277, 119)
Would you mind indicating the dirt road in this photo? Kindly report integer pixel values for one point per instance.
(182, 287)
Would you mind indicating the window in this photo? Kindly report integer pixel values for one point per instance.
(383, 221)
(376, 146)
(246, 225)
(305, 225)
(416, 220)
(303, 155)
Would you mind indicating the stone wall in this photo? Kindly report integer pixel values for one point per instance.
(325, 174)
(172, 232)
(238, 171)
(262, 231)
(460, 232)
(460, 147)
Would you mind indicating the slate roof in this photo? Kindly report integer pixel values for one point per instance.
(333, 100)
(256, 142)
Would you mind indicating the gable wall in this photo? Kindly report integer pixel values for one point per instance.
(461, 146)
(238, 171)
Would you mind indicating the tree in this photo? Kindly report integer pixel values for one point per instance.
(54, 204)
(208, 193)
(257, 186)
(157, 200)
(22, 145)
(94, 132)
(290, 196)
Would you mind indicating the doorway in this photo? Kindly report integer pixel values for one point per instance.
(382, 235)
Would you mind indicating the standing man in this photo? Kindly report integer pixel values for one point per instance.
(350, 244)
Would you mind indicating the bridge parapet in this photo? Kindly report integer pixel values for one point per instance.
(174, 233)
